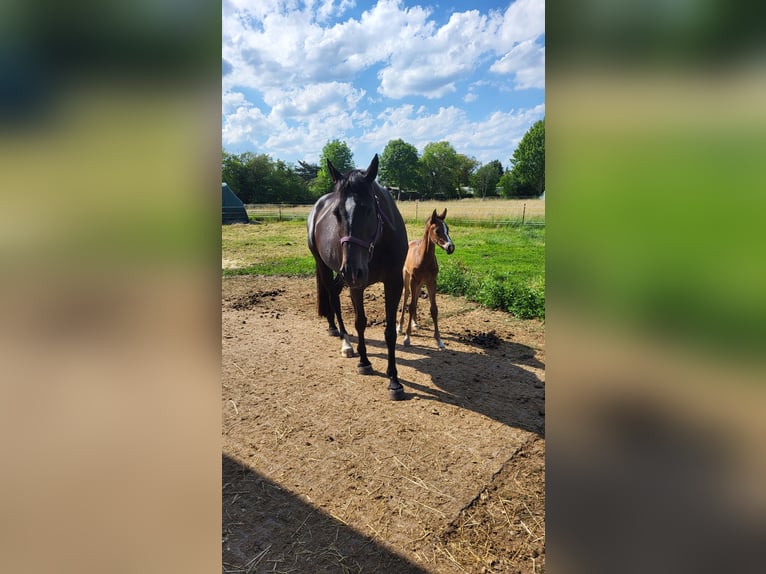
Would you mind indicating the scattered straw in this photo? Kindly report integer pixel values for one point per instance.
(253, 564)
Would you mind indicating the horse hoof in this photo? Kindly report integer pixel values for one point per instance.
(348, 353)
(333, 332)
(396, 394)
(440, 345)
(406, 341)
(364, 369)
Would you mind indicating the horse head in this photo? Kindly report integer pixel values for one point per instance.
(439, 231)
(359, 220)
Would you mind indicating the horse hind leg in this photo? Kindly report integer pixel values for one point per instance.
(415, 324)
(434, 313)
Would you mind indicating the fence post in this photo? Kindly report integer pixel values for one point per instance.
(523, 213)
(280, 212)
(417, 201)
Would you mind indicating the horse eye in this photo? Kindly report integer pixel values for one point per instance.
(336, 213)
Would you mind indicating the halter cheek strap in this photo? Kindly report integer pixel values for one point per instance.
(380, 214)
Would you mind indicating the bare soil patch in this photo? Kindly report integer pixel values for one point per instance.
(322, 473)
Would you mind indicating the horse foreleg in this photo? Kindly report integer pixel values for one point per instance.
(393, 293)
(346, 350)
(431, 286)
(357, 298)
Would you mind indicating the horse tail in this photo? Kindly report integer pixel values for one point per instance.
(323, 302)
(324, 292)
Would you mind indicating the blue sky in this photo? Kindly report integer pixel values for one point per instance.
(297, 74)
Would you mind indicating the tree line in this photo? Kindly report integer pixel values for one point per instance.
(439, 173)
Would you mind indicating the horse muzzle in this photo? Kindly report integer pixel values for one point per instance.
(354, 275)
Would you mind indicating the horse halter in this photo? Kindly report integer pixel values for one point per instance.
(370, 245)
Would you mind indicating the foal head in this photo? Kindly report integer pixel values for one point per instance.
(438, 232)
(358, 218)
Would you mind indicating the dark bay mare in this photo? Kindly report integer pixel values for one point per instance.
(421, 268)
(358, 238)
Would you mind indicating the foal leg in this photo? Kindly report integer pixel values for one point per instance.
(431, 286)
(406, 277)
(414, 291)
(357, 298)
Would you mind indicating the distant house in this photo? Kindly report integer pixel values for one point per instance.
(232, 208)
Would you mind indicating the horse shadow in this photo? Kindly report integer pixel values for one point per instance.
(496, 380)
(266, 528)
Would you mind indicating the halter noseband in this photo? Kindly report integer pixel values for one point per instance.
(370, 245)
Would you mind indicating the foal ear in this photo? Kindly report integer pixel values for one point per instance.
(372, 170)
(335, 175)
(443, 215)
(433, 217)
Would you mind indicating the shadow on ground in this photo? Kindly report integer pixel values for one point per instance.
(267, 529)
(496, 381)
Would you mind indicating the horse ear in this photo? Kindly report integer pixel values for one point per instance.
(335, 175)
(444, 214)
(372, 170)
(433, 217)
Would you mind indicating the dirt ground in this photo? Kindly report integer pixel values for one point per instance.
(323, 473)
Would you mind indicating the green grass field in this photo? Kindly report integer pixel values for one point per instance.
(501, 267)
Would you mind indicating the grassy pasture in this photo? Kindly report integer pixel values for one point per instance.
(499, 266)
(477, 211)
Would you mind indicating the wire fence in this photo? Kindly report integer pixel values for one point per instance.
(510, 212)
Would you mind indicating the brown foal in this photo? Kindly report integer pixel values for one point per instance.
(420, 268)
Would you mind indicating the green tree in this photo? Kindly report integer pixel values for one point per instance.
(307, 171)
(464, 169)
(399, 165)
(485, 179)
(256, 178)
(438, 168)
(341, 157)
(232, 173)
(528, 161)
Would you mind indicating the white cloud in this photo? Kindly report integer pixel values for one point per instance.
(523, 20)
(495, 137)
(321, 100)
(302, 62)
(527, 62)
(231, 101)
(246, 124)
(431, 65)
